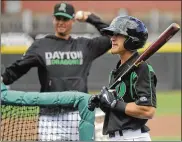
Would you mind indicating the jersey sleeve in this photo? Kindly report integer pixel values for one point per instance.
(20, 67)
(145, 86)
(96, 22)
(98, 45)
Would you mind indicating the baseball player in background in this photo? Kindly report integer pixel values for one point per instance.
(63, 62)
(129, 106)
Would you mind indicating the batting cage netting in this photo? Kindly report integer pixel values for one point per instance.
(21, 123)
(33, 116)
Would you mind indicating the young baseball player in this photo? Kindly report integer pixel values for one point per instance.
(128, 108)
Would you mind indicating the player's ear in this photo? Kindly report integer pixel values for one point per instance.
(53, 19)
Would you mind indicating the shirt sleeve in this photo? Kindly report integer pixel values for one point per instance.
(96, 22)
(145, 86)
(98, 45)
(20, 67)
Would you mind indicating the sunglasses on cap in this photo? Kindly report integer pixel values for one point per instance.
(62, 18)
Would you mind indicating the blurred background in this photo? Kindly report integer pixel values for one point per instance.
(24, 21)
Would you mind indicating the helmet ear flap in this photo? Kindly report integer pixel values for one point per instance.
(129, 45)
(132, 45)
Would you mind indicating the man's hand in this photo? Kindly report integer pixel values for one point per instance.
(107, 98)
(82, 16)
(93, 102)
(1, 79)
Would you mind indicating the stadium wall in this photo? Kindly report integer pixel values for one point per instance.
(166, 65)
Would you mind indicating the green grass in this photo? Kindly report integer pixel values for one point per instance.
(169, 103)
(9, 111)
(163, 138)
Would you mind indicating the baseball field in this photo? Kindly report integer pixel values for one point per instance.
(166, 125)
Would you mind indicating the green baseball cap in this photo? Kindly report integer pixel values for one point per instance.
(64, 9)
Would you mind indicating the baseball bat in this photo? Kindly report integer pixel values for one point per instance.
(156, 45)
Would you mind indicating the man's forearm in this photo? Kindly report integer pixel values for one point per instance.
(139, 111)
(12, 73)
(19, 68)
(131, 109)
(97, 22)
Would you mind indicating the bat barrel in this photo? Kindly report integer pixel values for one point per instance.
(162, 39)
(175, 26)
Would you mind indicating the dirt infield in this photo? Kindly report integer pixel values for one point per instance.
(168, 125)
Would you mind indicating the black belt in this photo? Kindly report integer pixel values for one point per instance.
(112, 134)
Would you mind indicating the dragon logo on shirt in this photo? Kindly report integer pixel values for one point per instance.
(121, 90)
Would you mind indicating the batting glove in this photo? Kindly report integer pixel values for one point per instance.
(107, 98)
(93, 102)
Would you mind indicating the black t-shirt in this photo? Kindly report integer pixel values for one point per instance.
(138, 86)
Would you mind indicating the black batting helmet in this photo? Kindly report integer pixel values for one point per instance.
(135, 31)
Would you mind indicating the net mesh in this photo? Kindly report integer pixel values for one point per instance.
(34, 123)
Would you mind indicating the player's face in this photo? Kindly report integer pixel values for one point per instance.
(118, 44)
(62, 25)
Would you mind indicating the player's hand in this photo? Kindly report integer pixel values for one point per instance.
(107, 98)
(82, 16)
(1, 79)
(93, 102)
